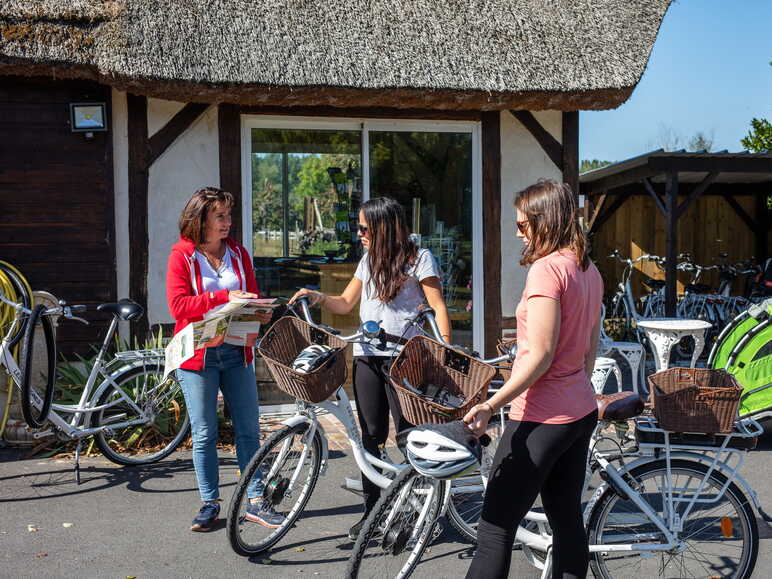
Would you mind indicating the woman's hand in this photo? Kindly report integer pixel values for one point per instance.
(241, 295)
(314, 297)
(477, 418)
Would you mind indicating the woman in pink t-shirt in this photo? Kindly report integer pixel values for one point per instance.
(544, 447)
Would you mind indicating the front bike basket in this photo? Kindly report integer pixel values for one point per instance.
(424, 360)
(281, 345)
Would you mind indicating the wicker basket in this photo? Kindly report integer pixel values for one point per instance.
(281, 345)
(695, 400)
(424, 360)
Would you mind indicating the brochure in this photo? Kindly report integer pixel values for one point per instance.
(232, 323)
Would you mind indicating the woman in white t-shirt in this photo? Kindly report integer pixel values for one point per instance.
(393, 279)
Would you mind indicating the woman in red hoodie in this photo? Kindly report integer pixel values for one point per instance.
(207, 269)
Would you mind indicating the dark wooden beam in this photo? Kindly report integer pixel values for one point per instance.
(603, 217)
(365, 113)
(491, 184)
(548, 143)
(671, 243)
(570, 146)
(741, 213)
(229, 131)
(711, 164)
(177, 125)
(715, 189)
(657, 201)
(596, 211)
(138, 151)
(696, 192)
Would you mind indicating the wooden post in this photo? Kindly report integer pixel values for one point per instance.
(762, 229)
(570, 143)
(491, 185)
(138, 153)
(671, 219)
(229, 135)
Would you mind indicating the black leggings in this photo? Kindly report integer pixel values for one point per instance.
(374, 399)
(534, 458)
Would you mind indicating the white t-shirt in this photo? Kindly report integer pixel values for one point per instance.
(224, 278)
(395, 315)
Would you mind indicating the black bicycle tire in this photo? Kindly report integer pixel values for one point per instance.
(367, 530)
(27, 408)
(246, 477)
(103, 445)
(26, 302)
(645, 468)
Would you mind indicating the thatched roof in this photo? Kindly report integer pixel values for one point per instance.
(463, 54)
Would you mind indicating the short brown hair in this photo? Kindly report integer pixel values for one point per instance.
(553, 221)
(193, 218)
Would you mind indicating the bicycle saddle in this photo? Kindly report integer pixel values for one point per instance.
(654, 284)
(124, 309)
(618, 406)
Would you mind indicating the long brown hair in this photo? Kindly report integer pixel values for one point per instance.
(391, 251)
(553, 221)
(193, 218)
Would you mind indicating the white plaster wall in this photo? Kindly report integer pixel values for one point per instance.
(121, 185)
(190, 163)
(523, 161)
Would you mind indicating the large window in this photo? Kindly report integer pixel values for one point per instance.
(308, 177)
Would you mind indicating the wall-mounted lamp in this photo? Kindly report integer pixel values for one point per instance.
(88, 118)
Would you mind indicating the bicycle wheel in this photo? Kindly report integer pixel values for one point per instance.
(38, 373)
(15, 288)
(157, 406)
(468, 492)
(719, 538)
(289, 465)
(398, 529)
(619, 319)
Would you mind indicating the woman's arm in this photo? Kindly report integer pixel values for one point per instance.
(183, 305)
(543, 332)
(589, 363)
(341, 305)
(432, 288)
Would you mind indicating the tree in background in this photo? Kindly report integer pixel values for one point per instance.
(700, 142)
(759, 138)
(589, 165)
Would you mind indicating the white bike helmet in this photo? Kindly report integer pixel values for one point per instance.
(311, 358)
(442, 451)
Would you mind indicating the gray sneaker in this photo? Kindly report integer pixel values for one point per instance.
(262, 513)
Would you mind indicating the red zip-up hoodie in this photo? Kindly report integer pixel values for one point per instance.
(188, 303)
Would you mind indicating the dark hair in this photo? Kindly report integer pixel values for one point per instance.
(391, 249)
(553, 221)
(193, 218)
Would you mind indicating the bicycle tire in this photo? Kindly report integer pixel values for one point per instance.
(165, 402)
(276, 490)
(28, 351)
(23, 295)
(660, 564)
(374, 548)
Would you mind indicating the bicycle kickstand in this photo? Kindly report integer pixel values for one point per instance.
(77, 461)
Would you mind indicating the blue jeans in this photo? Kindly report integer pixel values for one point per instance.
(224, 368)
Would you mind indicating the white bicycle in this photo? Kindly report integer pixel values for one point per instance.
(678, 508)
(291, 460)
(126, 405)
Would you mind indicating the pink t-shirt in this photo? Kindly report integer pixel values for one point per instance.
(564, 393)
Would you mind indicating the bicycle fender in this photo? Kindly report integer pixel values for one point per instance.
(697, 457)
(300, 419)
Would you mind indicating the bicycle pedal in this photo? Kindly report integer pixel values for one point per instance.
(353, 485)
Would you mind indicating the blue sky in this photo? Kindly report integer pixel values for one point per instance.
(709, 71)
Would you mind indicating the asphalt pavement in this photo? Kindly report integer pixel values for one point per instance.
(134, 522)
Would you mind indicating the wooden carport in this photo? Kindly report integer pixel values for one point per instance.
(664, 176)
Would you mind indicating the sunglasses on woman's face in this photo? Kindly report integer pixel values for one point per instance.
(521, 226)
(362, 228)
